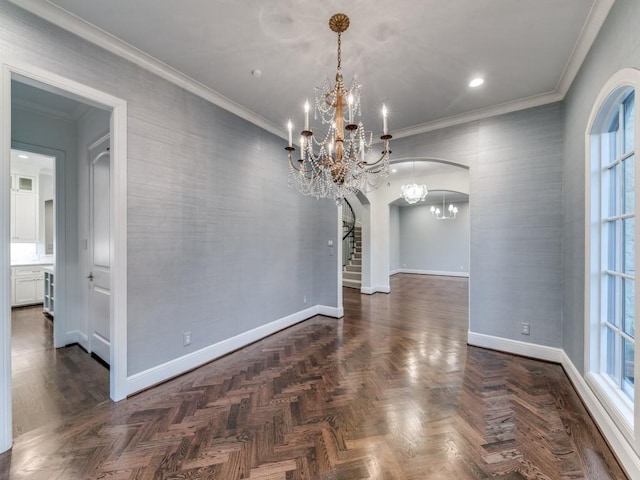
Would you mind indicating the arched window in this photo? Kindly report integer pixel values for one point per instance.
(611, 205)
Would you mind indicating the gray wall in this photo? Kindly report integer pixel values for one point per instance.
(434, 245)
(515, 175)
(617, 47)
(218, 244)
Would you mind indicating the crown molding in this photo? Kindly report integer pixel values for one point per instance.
(597, 16)
(74, 24)
(95, 35)
(507, 107)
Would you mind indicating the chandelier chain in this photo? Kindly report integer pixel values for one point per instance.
(339, 51)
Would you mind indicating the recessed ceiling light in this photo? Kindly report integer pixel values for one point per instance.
(476, 82)
(23, 156)
(394, 170)
(256, 73)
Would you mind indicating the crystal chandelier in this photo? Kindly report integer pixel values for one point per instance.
(337, 162)
(412, 192)
(438, 215)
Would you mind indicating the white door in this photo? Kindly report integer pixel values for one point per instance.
(99, 249)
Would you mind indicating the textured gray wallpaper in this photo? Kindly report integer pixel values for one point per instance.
(617, 47)
(218, 243)
(515, 203)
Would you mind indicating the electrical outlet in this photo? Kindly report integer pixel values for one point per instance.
(526, 328)
(304, 299)
(186, 338)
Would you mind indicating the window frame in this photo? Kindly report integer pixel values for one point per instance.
(623, 411)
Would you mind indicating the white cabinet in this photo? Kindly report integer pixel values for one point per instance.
(49, 301)
(24, 208)
(23, 183)
(24, 217)
(27, 285)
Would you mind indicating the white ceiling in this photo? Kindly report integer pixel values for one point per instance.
(33, 160)
(416, 56)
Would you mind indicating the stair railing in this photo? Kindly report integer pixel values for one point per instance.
(348, 228)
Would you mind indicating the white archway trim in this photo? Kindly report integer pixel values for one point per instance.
(118, 372)
(443, 161)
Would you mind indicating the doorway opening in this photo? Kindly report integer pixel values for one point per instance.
(102, 114)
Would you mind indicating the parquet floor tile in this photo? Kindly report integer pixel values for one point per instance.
(391, 391)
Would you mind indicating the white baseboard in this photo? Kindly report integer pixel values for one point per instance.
(622, 449)
(335, 312)
(619, 444)
(395, 272)
(76, 336)
(376, 289)
(175, 367)
(539, 352)
(430, 272)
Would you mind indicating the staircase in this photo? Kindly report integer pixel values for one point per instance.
(352, 271)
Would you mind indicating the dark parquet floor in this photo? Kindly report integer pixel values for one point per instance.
(391, 391)
(49, 385)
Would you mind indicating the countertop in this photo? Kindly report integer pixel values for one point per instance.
(33, 263)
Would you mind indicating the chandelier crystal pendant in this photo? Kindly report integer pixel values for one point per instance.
(337, 162)
(412, 192)
(450, 215)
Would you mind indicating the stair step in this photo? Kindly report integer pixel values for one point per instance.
(351, 276)
(352, 284)
(353, 268)
(355, 261)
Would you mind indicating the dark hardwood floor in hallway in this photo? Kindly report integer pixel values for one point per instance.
(49, 385)
(391, 391)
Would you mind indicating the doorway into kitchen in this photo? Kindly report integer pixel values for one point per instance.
(28, 120)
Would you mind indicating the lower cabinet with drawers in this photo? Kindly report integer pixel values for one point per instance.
(27, 285)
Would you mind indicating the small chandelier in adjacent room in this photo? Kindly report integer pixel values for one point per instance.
(337, 162)
(412, 192)
(440, 215)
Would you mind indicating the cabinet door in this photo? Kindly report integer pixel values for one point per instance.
(24, 183)
(24, 217)
(25, 289)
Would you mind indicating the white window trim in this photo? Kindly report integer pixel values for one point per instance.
(623, 413)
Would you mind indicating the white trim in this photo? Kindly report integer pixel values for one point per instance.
(608, 95)
(6, 420)
(395, 272)
(591, 28)
(66, 20)
(480, 114)
(178, 366)
(618, 443)
(430, 272)
(532, 350)
(376, 289)
(97, 36)
(335, 312)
